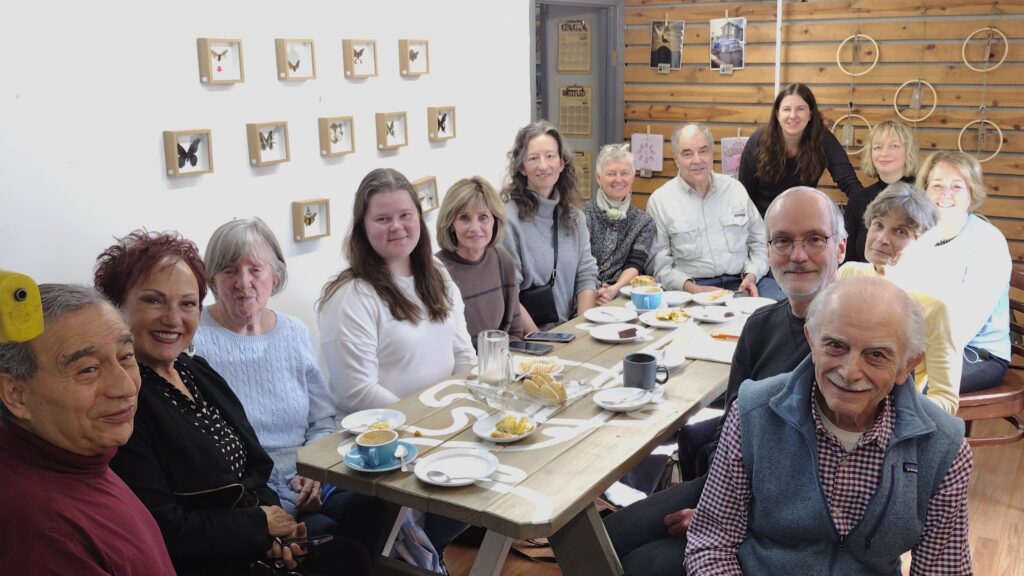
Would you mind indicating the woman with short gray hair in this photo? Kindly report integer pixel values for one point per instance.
(620, 233)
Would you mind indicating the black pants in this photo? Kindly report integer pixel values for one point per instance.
(982, 370)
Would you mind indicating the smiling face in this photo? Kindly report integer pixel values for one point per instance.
(83, 396)
(474, 228)
(889, 156)
(794, 114)
(949, 190)
(542, 164)
(393, 228)
(802, 274)
(858, 357)
(243, 288)
(888, 236)
(694, 158)
(616, 179)
(163, 313)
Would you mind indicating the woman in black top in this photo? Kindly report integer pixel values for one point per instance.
(793, 150)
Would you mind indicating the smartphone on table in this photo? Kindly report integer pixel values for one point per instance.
(535, 348)
(551, 336)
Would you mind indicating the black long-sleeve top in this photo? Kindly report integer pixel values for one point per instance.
(854, 216)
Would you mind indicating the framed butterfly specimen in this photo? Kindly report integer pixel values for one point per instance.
(296, 59)
(413, 57)
(426, 190)
(268, 143)
(220, 61)
(360, 58)
(440, 123)
(337, 136)
(392, 130)
(311, 219)
(187, 152)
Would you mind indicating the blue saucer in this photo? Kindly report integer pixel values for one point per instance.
(354, 461)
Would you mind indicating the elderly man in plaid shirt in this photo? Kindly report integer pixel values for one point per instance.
(839, 466)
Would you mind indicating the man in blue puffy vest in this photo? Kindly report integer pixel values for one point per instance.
(839, 466)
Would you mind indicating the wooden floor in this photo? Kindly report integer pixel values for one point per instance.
(996, 504)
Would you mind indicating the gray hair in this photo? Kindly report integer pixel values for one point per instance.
(838, 223)
(700, 128)
(245, 237)
(16, 358)
(906, 199)
(613, 153)
(872, 289)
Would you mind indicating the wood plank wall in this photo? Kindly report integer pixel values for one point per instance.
(916, 39)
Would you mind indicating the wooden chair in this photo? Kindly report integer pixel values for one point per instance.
(1005, 401)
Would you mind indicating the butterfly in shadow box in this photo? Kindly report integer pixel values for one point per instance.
(267, 142)
(309, 217)
(219, 55)
(293, 56)
(413, 55)
(294, 67)
(442, 118)
(188, 156)
(357, 55)
(337, 132)
(391, 128)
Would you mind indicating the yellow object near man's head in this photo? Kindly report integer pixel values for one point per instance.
(21, 310)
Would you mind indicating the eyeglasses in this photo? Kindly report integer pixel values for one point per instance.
(812, 244)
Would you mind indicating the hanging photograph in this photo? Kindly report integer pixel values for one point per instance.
(296, 59)
(391, 130)
(574, 46)
(360, 58)
(440, 123)
(413, 57)
(648, 151)
(188, 152)
(337, 137)
(268, 143)
(220, 61)
(426, 189)
(311, 219)
(727, 43)
(574, 110)
(667, 44)
(732, 150)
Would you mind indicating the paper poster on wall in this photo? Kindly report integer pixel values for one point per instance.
(584, 174)
(574, 110)
(727, 43)
(732, 149)
(667, 44)
(648, 151)
(573, 46)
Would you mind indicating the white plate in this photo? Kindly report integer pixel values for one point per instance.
(609, 314)
(713, 314)
(612, 399)
(676, 298)
(483, 428)
(359, 422)
(705, 298)
(626, 291)
(748, 305)
(671, 357)
(521, 362)
(457, 462)
(610, 332)
(651, 319)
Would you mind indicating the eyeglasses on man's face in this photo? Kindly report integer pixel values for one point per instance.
(813, 244)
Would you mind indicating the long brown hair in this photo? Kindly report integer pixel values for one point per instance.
(516, 186)
(367, 265)
(771, 151)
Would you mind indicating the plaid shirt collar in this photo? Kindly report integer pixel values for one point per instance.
(880, 433)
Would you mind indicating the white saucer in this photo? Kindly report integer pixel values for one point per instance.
(483, 429)
(610, 332)
(359, 422)
(609, 314)
(626, 291)
(748, 305)
(705, 298)
(651, 319)
(713, 314)
(676, 298)
(458, 462)
(611, 399)
(354, 461)
(632, 306)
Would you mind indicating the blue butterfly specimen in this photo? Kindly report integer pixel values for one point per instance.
(267, 142)
(188, 156)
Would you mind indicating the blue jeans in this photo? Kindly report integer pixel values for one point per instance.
(766, 287)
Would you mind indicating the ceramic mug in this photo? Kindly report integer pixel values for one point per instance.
(641, 370)
(646, 297)
(377, 447)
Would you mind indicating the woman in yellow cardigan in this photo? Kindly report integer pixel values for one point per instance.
(894, 219)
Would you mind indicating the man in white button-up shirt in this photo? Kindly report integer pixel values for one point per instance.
(710, 234)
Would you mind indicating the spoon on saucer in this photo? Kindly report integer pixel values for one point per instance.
(443, 477)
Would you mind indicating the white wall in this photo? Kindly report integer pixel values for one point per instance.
(88, 88)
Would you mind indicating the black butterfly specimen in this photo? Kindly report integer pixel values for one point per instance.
(391, 128)
(188, 156)
(413, 55)
(357, 55)
(293, 56)
(442, 118)
(309, 217)
(267, 142)
(294, 67)
(337, 132)
(219, 55)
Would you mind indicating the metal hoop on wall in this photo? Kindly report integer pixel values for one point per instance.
(896, 97)
(858, 117)
(963, 49)
(840, 49)
(959, 138)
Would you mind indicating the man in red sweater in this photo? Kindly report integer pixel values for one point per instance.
(67, 401)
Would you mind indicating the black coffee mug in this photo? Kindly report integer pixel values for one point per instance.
(642, 371)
